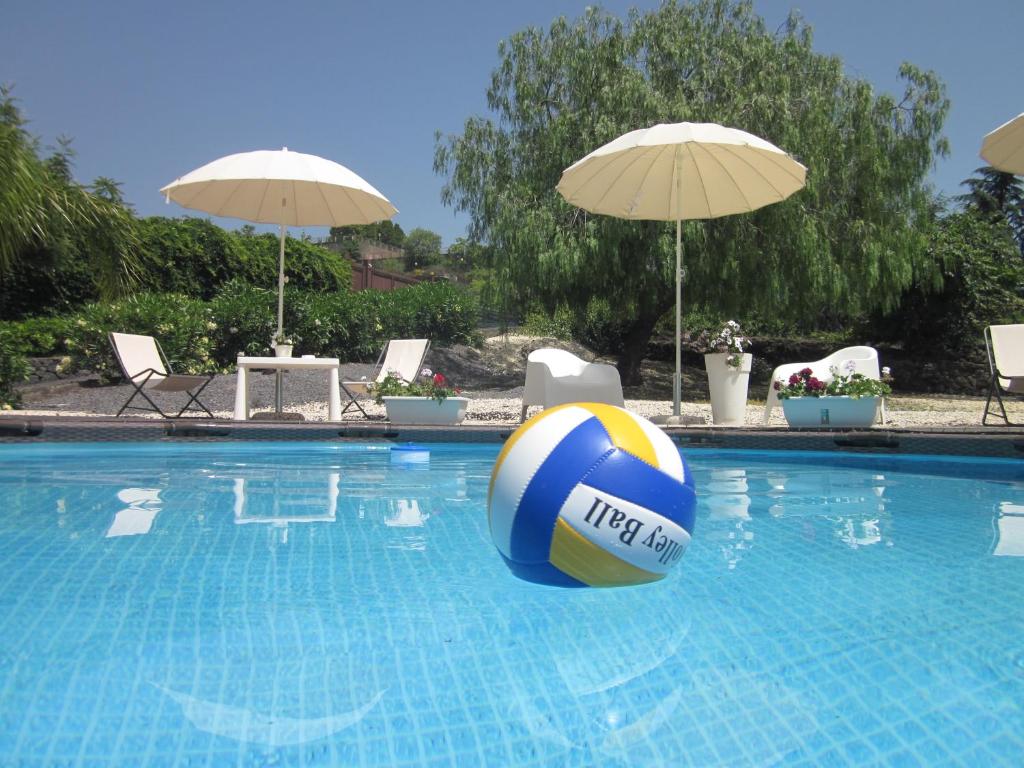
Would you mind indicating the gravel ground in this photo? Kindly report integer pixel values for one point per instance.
(306, 393)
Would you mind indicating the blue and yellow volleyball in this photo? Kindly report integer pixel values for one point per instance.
(590, 495)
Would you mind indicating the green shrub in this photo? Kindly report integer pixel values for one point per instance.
(308, 267)
(190, 256)
(245, 318)
(181, 325)
(14, 367)
(39, 336)
(334, 325)
(599, 328)
(558, 325)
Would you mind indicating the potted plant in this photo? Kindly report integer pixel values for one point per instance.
(283, 344)
(429, 399)
(847, 400)
(728, 368)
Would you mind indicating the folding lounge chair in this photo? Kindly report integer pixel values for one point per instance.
(146, 368)
(555, 376)
(402, 357)
(865, 361)
(1004, 345)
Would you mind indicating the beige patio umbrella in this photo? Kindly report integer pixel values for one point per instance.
(1003, 148)
(680, 171)
(290, 189)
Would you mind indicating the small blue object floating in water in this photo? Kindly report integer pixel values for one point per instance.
(410, 453)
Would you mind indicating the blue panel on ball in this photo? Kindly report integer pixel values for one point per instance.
(633, 479)
(535, 517)
(542, 573)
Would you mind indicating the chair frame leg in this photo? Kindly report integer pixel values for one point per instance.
(193, 398)
(993, 391)
(352, 401)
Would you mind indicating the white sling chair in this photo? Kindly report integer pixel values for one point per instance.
(146, 368)
(402, 357)
(865, 361)
(1005, 347)
(554, 377)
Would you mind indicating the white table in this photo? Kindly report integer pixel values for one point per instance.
(329, 364)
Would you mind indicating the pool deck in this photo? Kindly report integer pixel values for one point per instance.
(992, 441)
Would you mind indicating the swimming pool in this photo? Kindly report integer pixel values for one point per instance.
(326, 604)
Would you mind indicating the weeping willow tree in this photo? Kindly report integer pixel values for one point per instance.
(45, 216)
(853, 239)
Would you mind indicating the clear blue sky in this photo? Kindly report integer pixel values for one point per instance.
(150, 91)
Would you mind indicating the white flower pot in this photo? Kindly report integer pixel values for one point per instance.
(728, 387)
(283, 350)
(425, 410)
(830, 411)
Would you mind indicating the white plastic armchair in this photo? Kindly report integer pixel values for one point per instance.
(554, 377)
(865, 360)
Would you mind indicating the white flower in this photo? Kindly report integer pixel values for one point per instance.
(834, 370)
(850, 366)
(426, 373)
(886, 371)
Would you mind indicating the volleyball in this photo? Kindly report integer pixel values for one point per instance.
(588, 494)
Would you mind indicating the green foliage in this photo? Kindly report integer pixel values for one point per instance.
(983, 284)
(434, 385)
(246, 319)
(558, 324)
(998, 197)
(180, 324)
(194, 257)
(600, 327)
(853, 239)
(308, 266)
(39, 336)
(435, 311)
(422, 248)
(14, 367)
(45, 217)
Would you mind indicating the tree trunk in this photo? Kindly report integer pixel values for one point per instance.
(635, 347)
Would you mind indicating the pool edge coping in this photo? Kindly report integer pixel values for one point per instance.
(1005, 442)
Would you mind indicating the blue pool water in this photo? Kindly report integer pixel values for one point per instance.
(333, 605)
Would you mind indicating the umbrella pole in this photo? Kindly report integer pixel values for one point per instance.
(278, 388)
(280, 287)
(677, 380)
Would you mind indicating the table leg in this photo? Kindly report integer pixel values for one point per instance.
(279, 391)
(242, 394)
(334, 395)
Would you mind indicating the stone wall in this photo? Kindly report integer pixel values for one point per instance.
(43, 369)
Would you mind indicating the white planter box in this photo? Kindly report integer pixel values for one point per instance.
(728, 388)
(825, 412)
(283, 350)
(425, 410)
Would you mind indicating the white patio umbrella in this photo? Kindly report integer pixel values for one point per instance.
(680, 171)
(1003, 148)
(290, 189)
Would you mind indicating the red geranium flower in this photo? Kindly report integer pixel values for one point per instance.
(439, 379)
